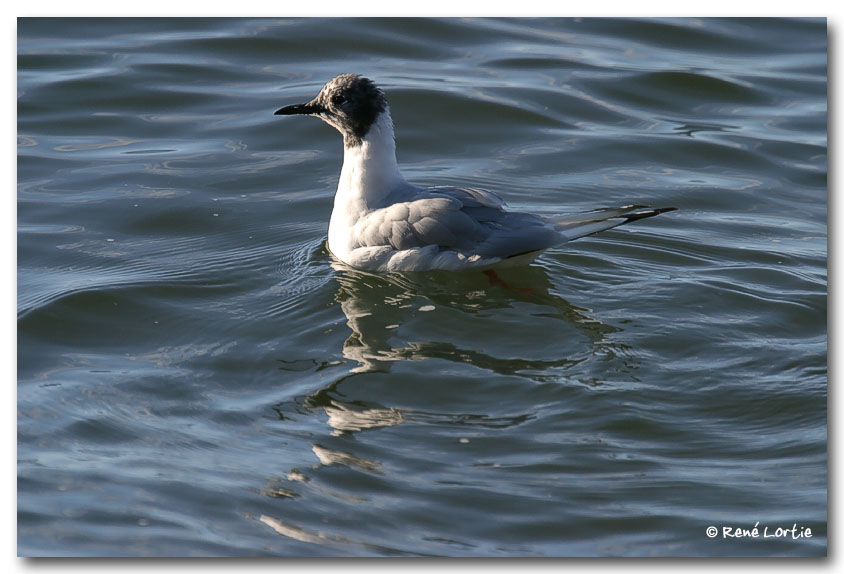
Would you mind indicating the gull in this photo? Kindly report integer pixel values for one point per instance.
(382, 223)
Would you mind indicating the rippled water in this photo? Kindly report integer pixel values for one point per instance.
(196, 377)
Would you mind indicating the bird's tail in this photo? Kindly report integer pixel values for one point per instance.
(582, 224)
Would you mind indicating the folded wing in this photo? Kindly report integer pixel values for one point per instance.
(473, 222)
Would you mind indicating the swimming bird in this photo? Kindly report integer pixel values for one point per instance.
(381, 222)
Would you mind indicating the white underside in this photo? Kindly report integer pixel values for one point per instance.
(386, 259)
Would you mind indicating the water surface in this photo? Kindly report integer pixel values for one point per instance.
(196, 377)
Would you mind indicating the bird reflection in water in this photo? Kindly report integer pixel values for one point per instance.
(380, 310)
(376, 306)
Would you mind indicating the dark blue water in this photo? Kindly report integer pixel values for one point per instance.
(196, 377)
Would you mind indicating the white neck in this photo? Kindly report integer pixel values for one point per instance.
(370, 172)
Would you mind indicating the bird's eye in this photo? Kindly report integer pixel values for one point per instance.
(338, 99)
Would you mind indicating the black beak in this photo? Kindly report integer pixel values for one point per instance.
(300, 109)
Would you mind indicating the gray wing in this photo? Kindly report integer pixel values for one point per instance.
(472, 221)
(417, 223)
(511, 233)
(469, 196)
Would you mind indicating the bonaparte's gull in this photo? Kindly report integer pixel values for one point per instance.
(380, 222)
